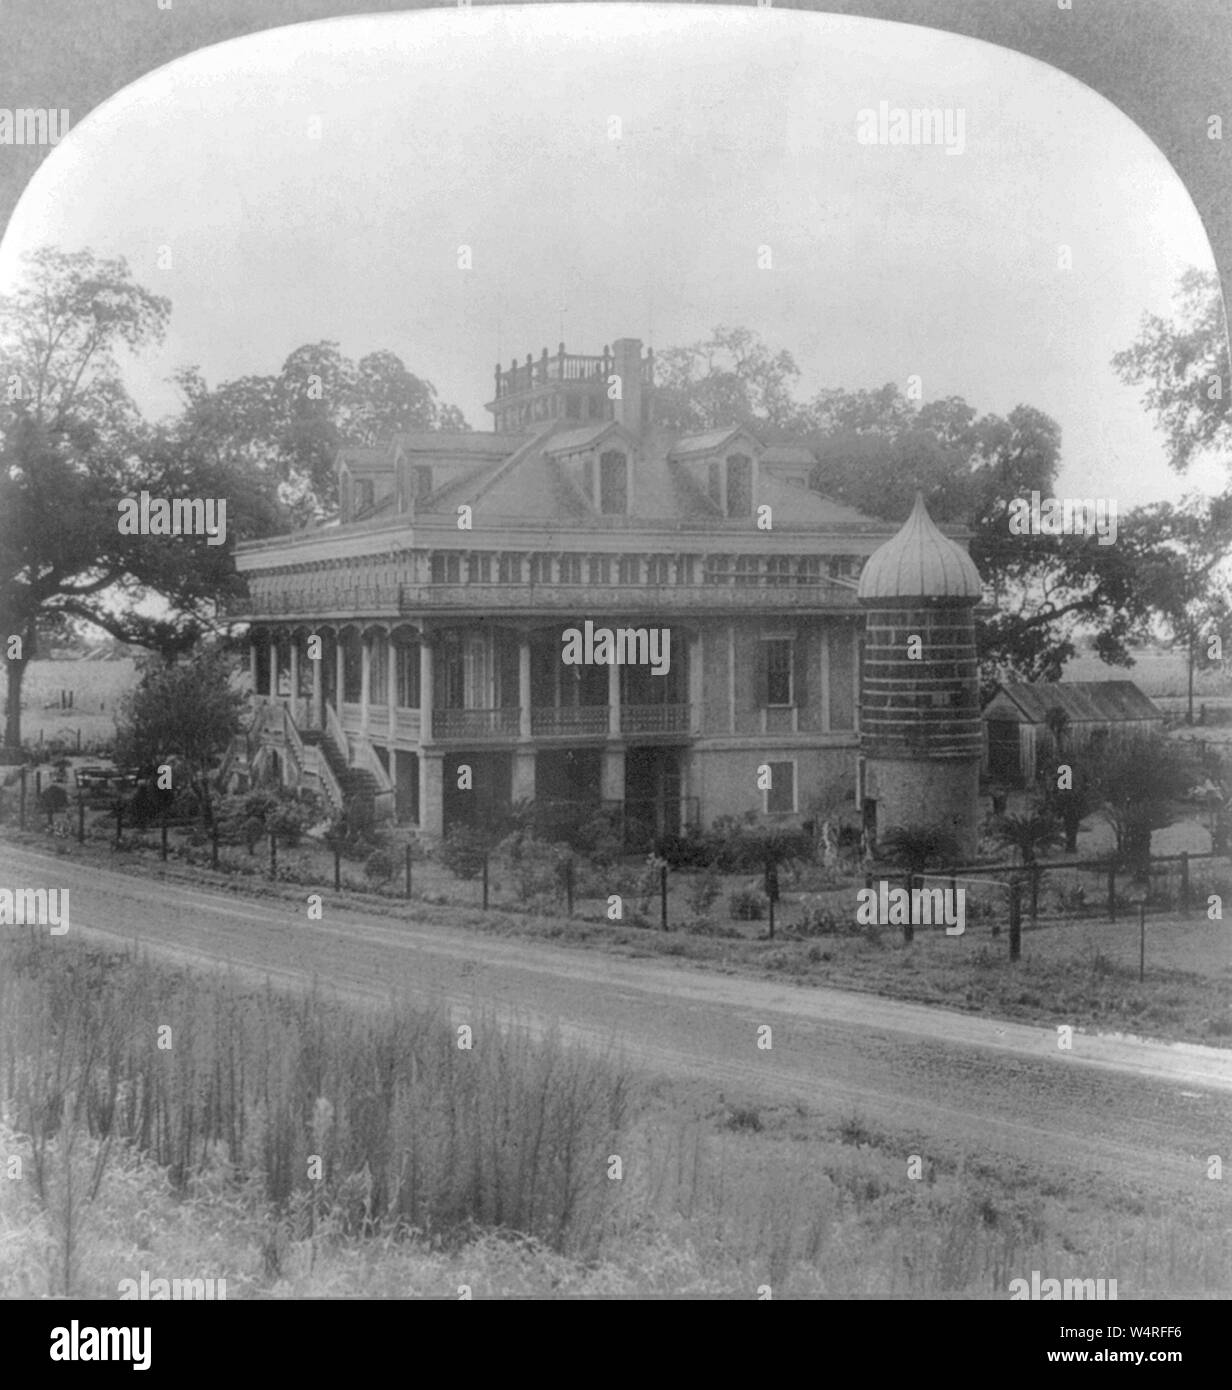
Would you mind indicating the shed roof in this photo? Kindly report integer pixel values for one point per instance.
(1085, 702)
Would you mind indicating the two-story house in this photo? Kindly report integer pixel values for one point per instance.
(416, 648)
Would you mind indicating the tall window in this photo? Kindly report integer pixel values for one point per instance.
(446, 567)
(540, 569)
(600, 569)
(739, 485)
(685, 569)
(570, 569)
(630, 569)
(613, 484)
(781, 794)
(479, 571)
(406, 673)
(778, 569)
(658, 569)
(747, 567)
(378, 672)
(777, 672)
(509, 569)
(352, 667)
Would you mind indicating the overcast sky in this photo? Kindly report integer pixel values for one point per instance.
(491, 127)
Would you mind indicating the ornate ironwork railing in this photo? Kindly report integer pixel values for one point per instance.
(548, 720)
(476, 723)
(655, 719)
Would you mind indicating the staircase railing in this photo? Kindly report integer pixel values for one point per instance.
(313, 760)
(335, 731)
(366, 759)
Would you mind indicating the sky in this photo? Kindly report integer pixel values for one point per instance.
(316, 182)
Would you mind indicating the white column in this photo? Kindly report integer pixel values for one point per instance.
(318, 711)
(365, 683)
(524, 730)
(293, 703)
(425, 691)
(694, 685)
(273, 667)
(613, 700)
(253, 659)
(339, 685)
(391, 691)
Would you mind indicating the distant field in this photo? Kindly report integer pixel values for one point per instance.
(1156, 674)
(97, 688)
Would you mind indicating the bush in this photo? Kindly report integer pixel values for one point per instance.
(379, 866)
(746, 906)
(533, 865)
(704, 892)
(463, 851)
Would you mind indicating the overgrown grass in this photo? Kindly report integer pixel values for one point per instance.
(489, 1167)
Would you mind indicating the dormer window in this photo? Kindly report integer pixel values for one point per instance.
(739, 485)
(362, 495)
(422, 481)
(613, 483)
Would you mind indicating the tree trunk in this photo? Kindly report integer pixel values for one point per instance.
(1189, 714)
(16, 670)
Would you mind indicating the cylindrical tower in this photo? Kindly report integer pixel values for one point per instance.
(920, 733)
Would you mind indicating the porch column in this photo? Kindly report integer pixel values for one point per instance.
(273, 667)
(432, 794)
(318, 694)
(293, 703)
(425, 697)
(613, 703)
(391, 692)
(523, 781)
(338, 683)
(612, 774)
(523, 695)
(254, 661)
(695, 688)
(365, 682)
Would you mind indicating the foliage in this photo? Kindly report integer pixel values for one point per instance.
(463, 851)
(918, 847)
(746, 906)
(183, 712)
(1177, 362)
(1138, 780)
(704, 892)
(534, 866)
(1028, 835)
(379, 866)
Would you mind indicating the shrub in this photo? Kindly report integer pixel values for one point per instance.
(463, 850)
(704, 892)
(746, 906)
(379, 866)
(534, 865)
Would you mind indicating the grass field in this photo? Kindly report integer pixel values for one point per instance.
(490, 1169)
(97, 688)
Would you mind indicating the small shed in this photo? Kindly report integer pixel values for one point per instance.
(1020, 723)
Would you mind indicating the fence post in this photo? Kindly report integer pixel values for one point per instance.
(81, 819)
(119, 824)
(1185, 883)
(273, 854)
(214, 844)
(1015, 919)
(485, 880)
(1112, 890)
(23, 795)
(568, 887)
(408, 868)
(79, 740)
(337, 868)
(1141, 942)
(162, 838)
(663, 894)
(1035, 883)
(38, 784)
(908, 926)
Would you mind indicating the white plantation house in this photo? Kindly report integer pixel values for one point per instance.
(441, 594)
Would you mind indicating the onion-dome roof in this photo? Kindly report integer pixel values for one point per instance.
(920, 562)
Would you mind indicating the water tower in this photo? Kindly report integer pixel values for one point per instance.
(920, 734)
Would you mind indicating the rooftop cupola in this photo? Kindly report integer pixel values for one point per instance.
(575, 387)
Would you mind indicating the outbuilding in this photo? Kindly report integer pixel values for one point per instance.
(1028, 726)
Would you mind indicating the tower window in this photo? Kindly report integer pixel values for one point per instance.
(776, 673)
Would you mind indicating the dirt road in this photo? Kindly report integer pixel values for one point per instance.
(1116, 1109)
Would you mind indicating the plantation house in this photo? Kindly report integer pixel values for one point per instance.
(444, 596)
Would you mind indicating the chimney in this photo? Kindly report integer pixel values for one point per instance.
(627, 359)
